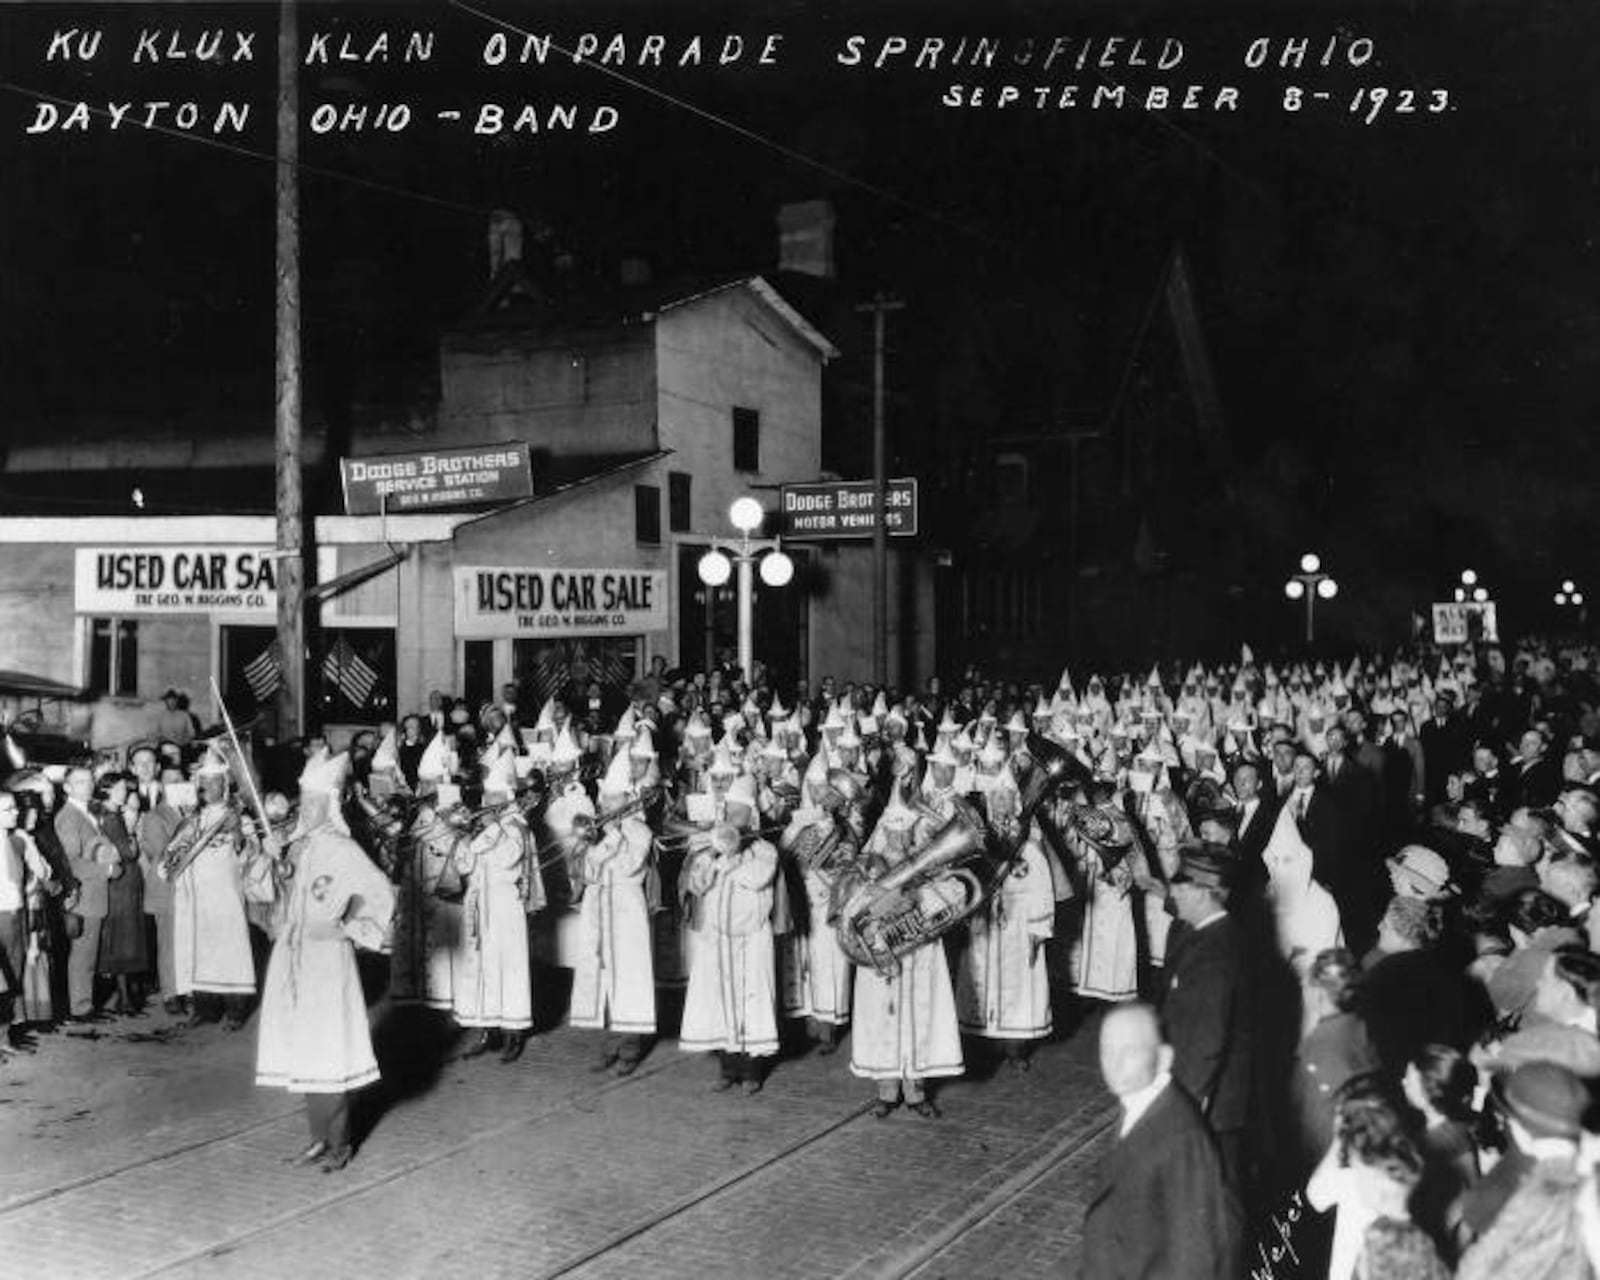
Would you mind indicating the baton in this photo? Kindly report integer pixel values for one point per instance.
(244, 764)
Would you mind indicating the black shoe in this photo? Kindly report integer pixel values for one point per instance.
(336, 1160)
(478, 1046)
(311, 1155)
(723, 1084)
(514, 1045)
(882, 1108)
(233, 1022)
(606, 1061)
(173, 1005)
(926, 1109)
(627, 1066)
(754, 1086)
(826, 1047)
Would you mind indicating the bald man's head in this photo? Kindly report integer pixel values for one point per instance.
(1132, 1050)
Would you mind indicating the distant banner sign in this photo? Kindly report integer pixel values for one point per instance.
(1460, 623)
(438, 478)
(848, 509)
(188, 579)
(495, 600)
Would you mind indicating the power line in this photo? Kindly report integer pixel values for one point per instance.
(751, 135)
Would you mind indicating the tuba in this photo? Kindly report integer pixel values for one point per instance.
(951, 877)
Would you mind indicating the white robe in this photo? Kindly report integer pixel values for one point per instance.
(613, 984)
(493, 979)
(1003, 984)
(1105, 954)
(1306, 914)
(210, 931)
(429, 932)
(731, 1003)
(817, 973)
(314, 1030)
(905, 1024)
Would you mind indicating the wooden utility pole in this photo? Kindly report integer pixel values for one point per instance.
(286, 451)
(1075, 441)
(879, 307)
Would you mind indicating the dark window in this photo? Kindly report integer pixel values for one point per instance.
(746, 440)
(647, 512)
(678, 513)
(477, 670)
(114, 656)
(357, 673)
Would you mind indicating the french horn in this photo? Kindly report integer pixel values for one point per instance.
(951, 877)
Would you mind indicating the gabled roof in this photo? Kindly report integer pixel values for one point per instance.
(516, 302)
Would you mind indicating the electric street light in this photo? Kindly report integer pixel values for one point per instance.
(718, 564)
(1311, 584)
(1569, 596)
(1471, 588)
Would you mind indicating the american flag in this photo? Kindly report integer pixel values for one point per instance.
(349, 672)
(263, 673)
(609, 663)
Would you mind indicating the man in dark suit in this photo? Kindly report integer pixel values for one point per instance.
(1446, 745)
(1353, 793)
(1163, 1209)
(82, 843)
(1536, 780)
(1257, 814)
(1207, 1006)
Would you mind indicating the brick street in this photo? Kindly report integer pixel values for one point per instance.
(148, 1151)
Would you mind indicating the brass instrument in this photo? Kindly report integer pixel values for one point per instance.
(825, 851)
(191, 839)
(884, 916)
(592, 829)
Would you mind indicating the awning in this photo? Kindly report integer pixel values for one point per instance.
(355, 577)
(19, 684)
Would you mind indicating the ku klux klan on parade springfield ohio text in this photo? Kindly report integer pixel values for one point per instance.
(1097, 58)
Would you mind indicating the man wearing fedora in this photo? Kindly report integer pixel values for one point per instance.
(1543, 1105)
(1207, 1003)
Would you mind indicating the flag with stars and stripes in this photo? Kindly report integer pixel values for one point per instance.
(351, 674)
(264, 674)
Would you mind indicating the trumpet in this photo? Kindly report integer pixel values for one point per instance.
(591, 829)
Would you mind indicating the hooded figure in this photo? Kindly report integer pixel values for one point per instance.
(1306, 915)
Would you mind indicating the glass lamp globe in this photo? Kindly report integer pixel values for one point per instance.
(714, 568)
(1327, 588)
(746, 515)
(1310, 563)
(1469, 577)
(776, 569)
(1294, 589)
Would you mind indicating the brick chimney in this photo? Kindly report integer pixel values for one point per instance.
(805, 238)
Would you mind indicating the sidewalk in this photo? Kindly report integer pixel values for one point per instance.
(148, 1151)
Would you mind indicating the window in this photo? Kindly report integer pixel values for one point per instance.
(678, 507)
(357, 674)
(746, 440)
(647, 512)
(114, 656)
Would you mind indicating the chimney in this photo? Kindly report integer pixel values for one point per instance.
(505, 240)
(805, 238)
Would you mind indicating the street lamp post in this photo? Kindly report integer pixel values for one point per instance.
(1471, 589)
(1311, 583)
(1569, 597)
(718, 564)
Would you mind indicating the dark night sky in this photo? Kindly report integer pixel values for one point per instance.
(1401, 316)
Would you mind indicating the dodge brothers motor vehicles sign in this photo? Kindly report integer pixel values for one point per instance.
(493, 600)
